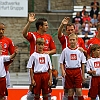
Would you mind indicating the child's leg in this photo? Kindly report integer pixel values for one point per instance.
(70, 94)
(36, 97)
(79, 93)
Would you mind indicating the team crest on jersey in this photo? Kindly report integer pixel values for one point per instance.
(42, 60)
(5, 45)
(97, 64)
(46, 41)
(73, 56)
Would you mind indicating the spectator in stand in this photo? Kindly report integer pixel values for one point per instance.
(96, 4)
(94, 11)
(78, 27)
(82, 13)
(94, 20)
(86, 27)
(77, 17)
(98, 18)
(86, 18)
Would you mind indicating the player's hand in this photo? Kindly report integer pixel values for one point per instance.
(33, 82)
(93, 72)
(47, 52)
(50, 82)
(63, 73)
(81, 49)
(65, 21)
(31, 17)
(16, 49)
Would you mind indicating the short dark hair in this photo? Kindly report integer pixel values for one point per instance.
(94, 47)
(70, 24)
(40, 22)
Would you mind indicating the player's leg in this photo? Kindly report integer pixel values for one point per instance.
(79, 93)
(45, 79)
(2, 88)
(30, 94)
(37, 88)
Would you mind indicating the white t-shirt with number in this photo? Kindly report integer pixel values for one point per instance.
(41, 62)
(93, 64)
(72, 58)
(3, 59)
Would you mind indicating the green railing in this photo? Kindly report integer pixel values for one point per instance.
(30, 5)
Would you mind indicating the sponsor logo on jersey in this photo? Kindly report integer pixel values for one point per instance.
(97, 64)
(73, 56)
(42, 60)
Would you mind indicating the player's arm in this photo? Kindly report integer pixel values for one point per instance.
(50, 71)
(32, 79)
(27, 26)
(64, 22)
(82, 67)
(14, 54)
(50, 79)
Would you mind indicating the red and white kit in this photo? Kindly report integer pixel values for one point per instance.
(7, 47)
(94, 64)
(42, 64)
(49, 43)
(73, 60)
(3, 75)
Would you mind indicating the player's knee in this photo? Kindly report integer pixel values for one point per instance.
(79, 92)
(45, 97)
(36, 96)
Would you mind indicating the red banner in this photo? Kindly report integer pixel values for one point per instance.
(20, 94)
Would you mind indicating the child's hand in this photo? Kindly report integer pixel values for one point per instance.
(94, 72)
(50, 82)
(83, 79)
(16, 49)
(63, 73)
(33, 82)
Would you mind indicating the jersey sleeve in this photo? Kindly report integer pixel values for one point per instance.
(30, 62)
(6, 58)
(11, 47)
(49, 62)
(83, 58)
(88, 66)
(62, 57)
(52, 44)
(62, 39)
(30, 36)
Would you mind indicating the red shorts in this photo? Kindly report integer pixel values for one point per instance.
(95, 87)
(41, 80)
(73, 78)
(2, 87)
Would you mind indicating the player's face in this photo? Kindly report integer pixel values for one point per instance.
(2, 29)
(70, 29)
(96, 53)
(45, 26)
(73, 41)
(40, 47)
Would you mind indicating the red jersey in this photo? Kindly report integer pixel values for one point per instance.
(64, 42)
(92, 41)
(7, 47)
(49, 43)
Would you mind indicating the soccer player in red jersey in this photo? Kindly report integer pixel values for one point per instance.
(7, 47)
(95, 40)
(42, 27)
